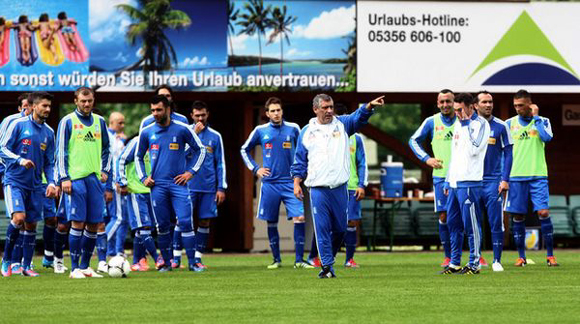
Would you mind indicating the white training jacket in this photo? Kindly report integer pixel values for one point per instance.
(468, 148)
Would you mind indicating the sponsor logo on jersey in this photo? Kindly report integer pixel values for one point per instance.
(287, 145)
(439, 128)
(26, 141)
(43, 146)
(268, 146)
(78, 126)
(97, 134)
(266, 137)
(209, 149)
(89, 137)
(155, 147)
(174, 146)
(491, 141)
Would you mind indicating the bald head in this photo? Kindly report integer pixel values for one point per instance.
(117, 122)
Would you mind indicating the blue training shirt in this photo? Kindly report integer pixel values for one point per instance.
(278, 144)
(167, 149)
(3, 128)
(27, 139)
(212, 174)
(498, 157)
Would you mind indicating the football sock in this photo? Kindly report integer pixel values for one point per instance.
(148, 243)
(59, 241)
(137, 248)
(188, 239)
(350, 242)
(313, 249)
(48, 239)
(497, 241)
(17, 249)
(274, 238)
(548, 234)
(200, 242)
(88, 241)
(164, 242)
(102, 246)
(111, 230)
(120, 238)
(445, 238)
(177, 244)
(519, 231)
(74, 242)
(28, 244)
(12, 234)
(299, 232)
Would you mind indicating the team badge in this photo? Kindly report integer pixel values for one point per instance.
(43, 146)
(268, 146)
(155, 147)
(287, 145)
(491, 141)
(26, 141)
(209, 149)
(173, 146)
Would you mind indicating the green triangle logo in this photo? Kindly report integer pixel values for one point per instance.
(524, 38)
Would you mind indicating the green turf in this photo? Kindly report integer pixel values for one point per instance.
(396, 288)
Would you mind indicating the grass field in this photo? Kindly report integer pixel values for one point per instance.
(388, 287)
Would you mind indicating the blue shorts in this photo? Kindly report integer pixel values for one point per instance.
(204, 204)
(19, 200)
(87, 201)
(139, 210)
(440, 199)
(353, 206)
(49, 206)
(61, 210)
(168, 199)
(272, 194)
(521, 192)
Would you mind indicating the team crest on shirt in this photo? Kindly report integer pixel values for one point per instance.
(533, 133)
(288, 138)
(174, 146)
(43, 146)
(174, 139)
(287, 145)
(155, 147)
(26, 141)
(209, 149)
(268, 146)
(97, 134)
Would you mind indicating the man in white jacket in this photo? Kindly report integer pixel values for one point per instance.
(323, 159)
(465, 177)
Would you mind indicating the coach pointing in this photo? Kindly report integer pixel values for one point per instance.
(323, 159)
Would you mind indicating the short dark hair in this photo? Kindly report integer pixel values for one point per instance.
(23, 19)
(199, 105)
(2, 21)
(85, 91)
(446, 91)
(485, 92)
(36, 97)
(320, 97)
(272, 101)
(159, 98)
(522, 94)
(43, 17)
(464, 98)
(23, 96)
(62, 15)
(168, 88)
(340, 109)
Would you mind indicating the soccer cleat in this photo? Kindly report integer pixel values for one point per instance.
(275, 265)
(102, 267)
(520, 262)
(197, 267)
(483, 262)
(496, 266)
(326, 272)
(90, 273)
(47, 263)
(6, 269)
(144, 265)
(175, 265)
(351, 264)
(302, 265)
(59, 266)
(159, 263)
(136, 267)
(450, 270)
(16, 268)
(76, 274)
(28, 272)
(551, 260)
(467, 270)
(165, 268)
(315, 262)
(445, 262)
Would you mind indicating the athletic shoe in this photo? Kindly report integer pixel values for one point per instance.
(16, 268)
(201, 265)
(520, 262)
(175, 265)
(450, 270)
(47, 263)
(102, 267)
(275, 265)
(445, 263)
(483, 262)
(136, 267)
(165, 268)
(90, 273)
(27, 272)
(59, 266)
(351, 264)
(6, 269)
(497, 267)
(315, 262)
(144, 265)
(159, 264)
(551, 260)
(467, 270)
(302, 265)
(326, 272)
(76, 274)
(197, 267)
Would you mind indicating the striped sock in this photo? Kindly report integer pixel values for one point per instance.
(102, 246)
(59, 242)
(201, 238)
(48, 239)
(148, 243)
(188, 239)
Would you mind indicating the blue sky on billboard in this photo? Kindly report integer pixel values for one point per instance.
(201, 45)
(318, 32)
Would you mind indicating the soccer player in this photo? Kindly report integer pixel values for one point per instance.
(27, 148)
(24, 109)
(139, 207)
(496, 171)
(464, 177)
(529, 174)
(438, 129)
(278, 140)
(323, 159)
(208, 188)
(83, 164)
(167, 92)
(166, 140)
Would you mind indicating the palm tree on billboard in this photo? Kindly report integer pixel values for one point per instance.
(255, 20)
(232, 16)
(151, 19)
(280, 22)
